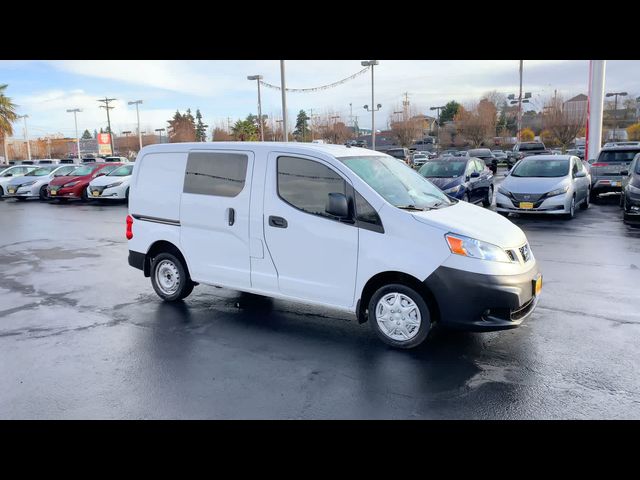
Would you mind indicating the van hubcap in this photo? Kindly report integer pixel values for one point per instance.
(398, 316)
(167, 277)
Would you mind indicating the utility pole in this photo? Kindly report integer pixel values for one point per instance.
(372, 63)
(284, 102)
(229, 125)
(595, 108)
(137, 102)
(405, 105)
(350, 114)
(75, 118)
(107, 108)
(26, 135)
(278, 121)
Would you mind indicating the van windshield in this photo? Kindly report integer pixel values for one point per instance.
(398, 184)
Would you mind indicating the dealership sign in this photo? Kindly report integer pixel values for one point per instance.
(104, 144)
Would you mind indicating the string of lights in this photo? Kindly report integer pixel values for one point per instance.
(316, 89)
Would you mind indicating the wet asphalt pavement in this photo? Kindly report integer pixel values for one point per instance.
(83, 335)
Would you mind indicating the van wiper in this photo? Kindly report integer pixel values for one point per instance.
(412, 207)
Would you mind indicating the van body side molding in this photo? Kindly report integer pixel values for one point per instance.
(165, 221)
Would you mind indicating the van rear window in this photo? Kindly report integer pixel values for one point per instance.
(215, 173)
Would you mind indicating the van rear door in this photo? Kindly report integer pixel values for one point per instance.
(214, 216)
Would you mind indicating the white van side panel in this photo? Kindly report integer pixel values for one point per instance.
(159, 178)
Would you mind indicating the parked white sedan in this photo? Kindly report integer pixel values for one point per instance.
(14, 171)
(113, 186)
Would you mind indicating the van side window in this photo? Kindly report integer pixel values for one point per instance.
(366, 215)
(215, 173)
(306, 184)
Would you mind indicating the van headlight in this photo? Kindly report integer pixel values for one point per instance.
(633, 189)
(111, 185)
(558, 191)
(27, 184)
(451, 190)
(470, 247)
(504, 192)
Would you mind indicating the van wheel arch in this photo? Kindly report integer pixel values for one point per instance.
(385, 278)
(159, 247)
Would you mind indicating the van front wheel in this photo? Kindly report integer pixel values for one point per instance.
(169, 278)
(399, 316)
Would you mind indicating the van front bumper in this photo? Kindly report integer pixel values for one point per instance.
(483, 303)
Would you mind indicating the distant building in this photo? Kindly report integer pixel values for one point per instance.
(576, 107)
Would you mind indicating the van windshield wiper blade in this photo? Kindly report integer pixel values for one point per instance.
(412, 207)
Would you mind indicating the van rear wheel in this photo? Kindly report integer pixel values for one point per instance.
(169, 278)
(399, 316)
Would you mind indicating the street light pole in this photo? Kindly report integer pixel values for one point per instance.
(258, 78)
(438, 124)
(137, 102)
(520, 103)
(615, 111)
(75, 118)
(284, 102)
(372, 63)
(26, 135)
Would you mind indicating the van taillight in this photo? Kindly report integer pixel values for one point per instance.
(129, 227)
(599, 164)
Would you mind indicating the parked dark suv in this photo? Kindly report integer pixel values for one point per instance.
(606, 171)
(630, 198)
(525, 149)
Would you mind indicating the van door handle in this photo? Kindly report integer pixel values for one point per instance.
(232, 216)
(277, 222)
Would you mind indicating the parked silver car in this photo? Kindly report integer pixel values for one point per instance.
(34, 184)
(552, 184)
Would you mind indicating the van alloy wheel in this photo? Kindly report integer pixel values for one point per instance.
(167, 277)
(398, 316)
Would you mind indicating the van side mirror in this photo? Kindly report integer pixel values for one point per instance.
(624, 172)
(591, 160)
(474, 174)
(337, 205)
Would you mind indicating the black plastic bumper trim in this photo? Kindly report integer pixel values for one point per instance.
(136, 259)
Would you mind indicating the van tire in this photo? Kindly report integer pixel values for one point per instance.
(176, 272)
(417, 301)
(42, 194)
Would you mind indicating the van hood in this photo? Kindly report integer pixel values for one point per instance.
(476, 222)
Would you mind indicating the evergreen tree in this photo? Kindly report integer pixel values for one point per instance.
(201, 129)
(86, 135)
(449, 111)
(302, 128)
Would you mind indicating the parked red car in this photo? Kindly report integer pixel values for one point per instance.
(75, 184)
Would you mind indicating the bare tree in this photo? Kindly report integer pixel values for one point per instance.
(563, 124)
(408, 127)
(477, 122)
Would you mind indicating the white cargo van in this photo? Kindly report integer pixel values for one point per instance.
(331, 225)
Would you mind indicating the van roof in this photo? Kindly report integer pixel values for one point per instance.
(299, 147)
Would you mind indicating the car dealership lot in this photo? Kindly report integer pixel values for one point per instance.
(83, 335)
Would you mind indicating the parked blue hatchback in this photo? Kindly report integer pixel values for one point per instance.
(464, 178)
